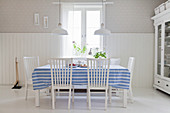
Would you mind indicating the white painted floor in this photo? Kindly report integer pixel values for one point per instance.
(146, 101)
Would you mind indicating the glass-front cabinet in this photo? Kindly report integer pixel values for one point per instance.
(162, 52)
(159, 40)
(167, 50)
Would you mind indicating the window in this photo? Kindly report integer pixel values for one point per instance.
(82, 23)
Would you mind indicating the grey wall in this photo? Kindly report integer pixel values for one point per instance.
(16, 16)
(131, 16)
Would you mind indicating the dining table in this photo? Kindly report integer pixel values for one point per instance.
(119, 77)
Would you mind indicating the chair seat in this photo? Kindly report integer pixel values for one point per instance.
(80, 86)
(61, 87)
(98, 88)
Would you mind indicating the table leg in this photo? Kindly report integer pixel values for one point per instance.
(37, 98)
(125, 98)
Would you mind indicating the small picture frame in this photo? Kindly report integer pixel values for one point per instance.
(45, 21)
(36, 19)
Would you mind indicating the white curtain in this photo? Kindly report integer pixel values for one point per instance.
(67, 45)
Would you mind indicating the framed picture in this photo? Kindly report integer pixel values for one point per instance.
(36, 19)
(45, 21)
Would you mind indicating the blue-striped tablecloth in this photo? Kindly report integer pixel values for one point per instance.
(119, 77)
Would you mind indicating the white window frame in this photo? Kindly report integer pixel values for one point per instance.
(67, 42)
(83, 9)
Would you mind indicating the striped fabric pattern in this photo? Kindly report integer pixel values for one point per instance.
(119, 77)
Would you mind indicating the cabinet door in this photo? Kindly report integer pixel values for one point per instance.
(167, 50)
(158, 49)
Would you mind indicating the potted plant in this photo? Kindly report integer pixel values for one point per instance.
(78, 50)
(100, 54)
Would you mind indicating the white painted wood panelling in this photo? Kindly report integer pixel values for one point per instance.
(25, 44)
(123, 45)
(139, 45)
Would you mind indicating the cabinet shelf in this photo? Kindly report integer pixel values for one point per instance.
(165, 46)
(167, 29)
(168, 46)
(167, 65)
(167, 55)
(167, 37)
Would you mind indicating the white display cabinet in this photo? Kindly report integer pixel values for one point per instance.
(162, 51)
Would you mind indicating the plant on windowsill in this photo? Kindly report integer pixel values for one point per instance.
(78, 50)
(100, 54)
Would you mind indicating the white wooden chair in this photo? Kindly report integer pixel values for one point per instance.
(98, 75)
(77, 61)
(30, 63)
(114, 61)
(61, 77)
(131, 63)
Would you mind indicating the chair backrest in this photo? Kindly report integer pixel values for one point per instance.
(30, 63)
(98, 72)
(131, 64)
(61, 71)
(114, 61)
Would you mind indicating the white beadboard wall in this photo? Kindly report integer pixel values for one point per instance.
(139, 45)
(18, 45)
(123, 45)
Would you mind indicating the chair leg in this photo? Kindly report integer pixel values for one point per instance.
(110, 94)
(89, 97)
(117, 93)
(106, 99)
(37, 98)
(26, 91)
(69, 99)
(58, 92)
(51, 95)
(53, 98)
(73, 95)
(125, 98)
(47, 92)
(131, 95)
